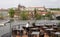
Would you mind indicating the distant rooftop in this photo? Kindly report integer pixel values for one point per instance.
(4, 9)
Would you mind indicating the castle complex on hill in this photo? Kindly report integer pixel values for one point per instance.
(30, 10)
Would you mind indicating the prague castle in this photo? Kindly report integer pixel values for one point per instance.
(30, 10)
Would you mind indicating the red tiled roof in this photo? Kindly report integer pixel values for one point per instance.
(35, 7)
(43, 12)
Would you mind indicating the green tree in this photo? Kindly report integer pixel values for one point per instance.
(1, 16)
(11, 12)
(49, 15)
(24, 15)
(38, 16)
(56, 9)
(35, 11)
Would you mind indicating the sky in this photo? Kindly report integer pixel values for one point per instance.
(30, 3)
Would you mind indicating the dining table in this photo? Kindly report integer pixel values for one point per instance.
(57, 34)
(35, 33)
(49, 30)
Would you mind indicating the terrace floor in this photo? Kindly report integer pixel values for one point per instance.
(27, 36)
(45, 35)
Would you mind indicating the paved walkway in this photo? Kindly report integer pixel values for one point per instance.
(6, 35)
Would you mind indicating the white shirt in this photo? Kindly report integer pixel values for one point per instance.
(27, 25)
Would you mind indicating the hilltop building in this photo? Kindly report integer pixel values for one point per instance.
(30, 10)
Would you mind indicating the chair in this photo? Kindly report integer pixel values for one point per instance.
(33, 24)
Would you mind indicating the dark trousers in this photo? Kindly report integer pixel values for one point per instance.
(29, 35)
(21, 33)
(41, 35)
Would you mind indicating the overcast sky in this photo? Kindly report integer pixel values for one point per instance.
(29, 3)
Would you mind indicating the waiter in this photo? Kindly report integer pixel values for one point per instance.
(27, 25)
(27, 29)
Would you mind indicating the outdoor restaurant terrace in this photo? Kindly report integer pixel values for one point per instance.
(39, 28)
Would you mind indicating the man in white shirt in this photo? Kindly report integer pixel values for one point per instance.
(27, 25)
(27, 29)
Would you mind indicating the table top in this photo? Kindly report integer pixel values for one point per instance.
(39, 25)
(57, 33)
(50, 29)
(34, 28)
(18, 28)
(28, 27)
(36, 33)
(48, 24)
(45, 27)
